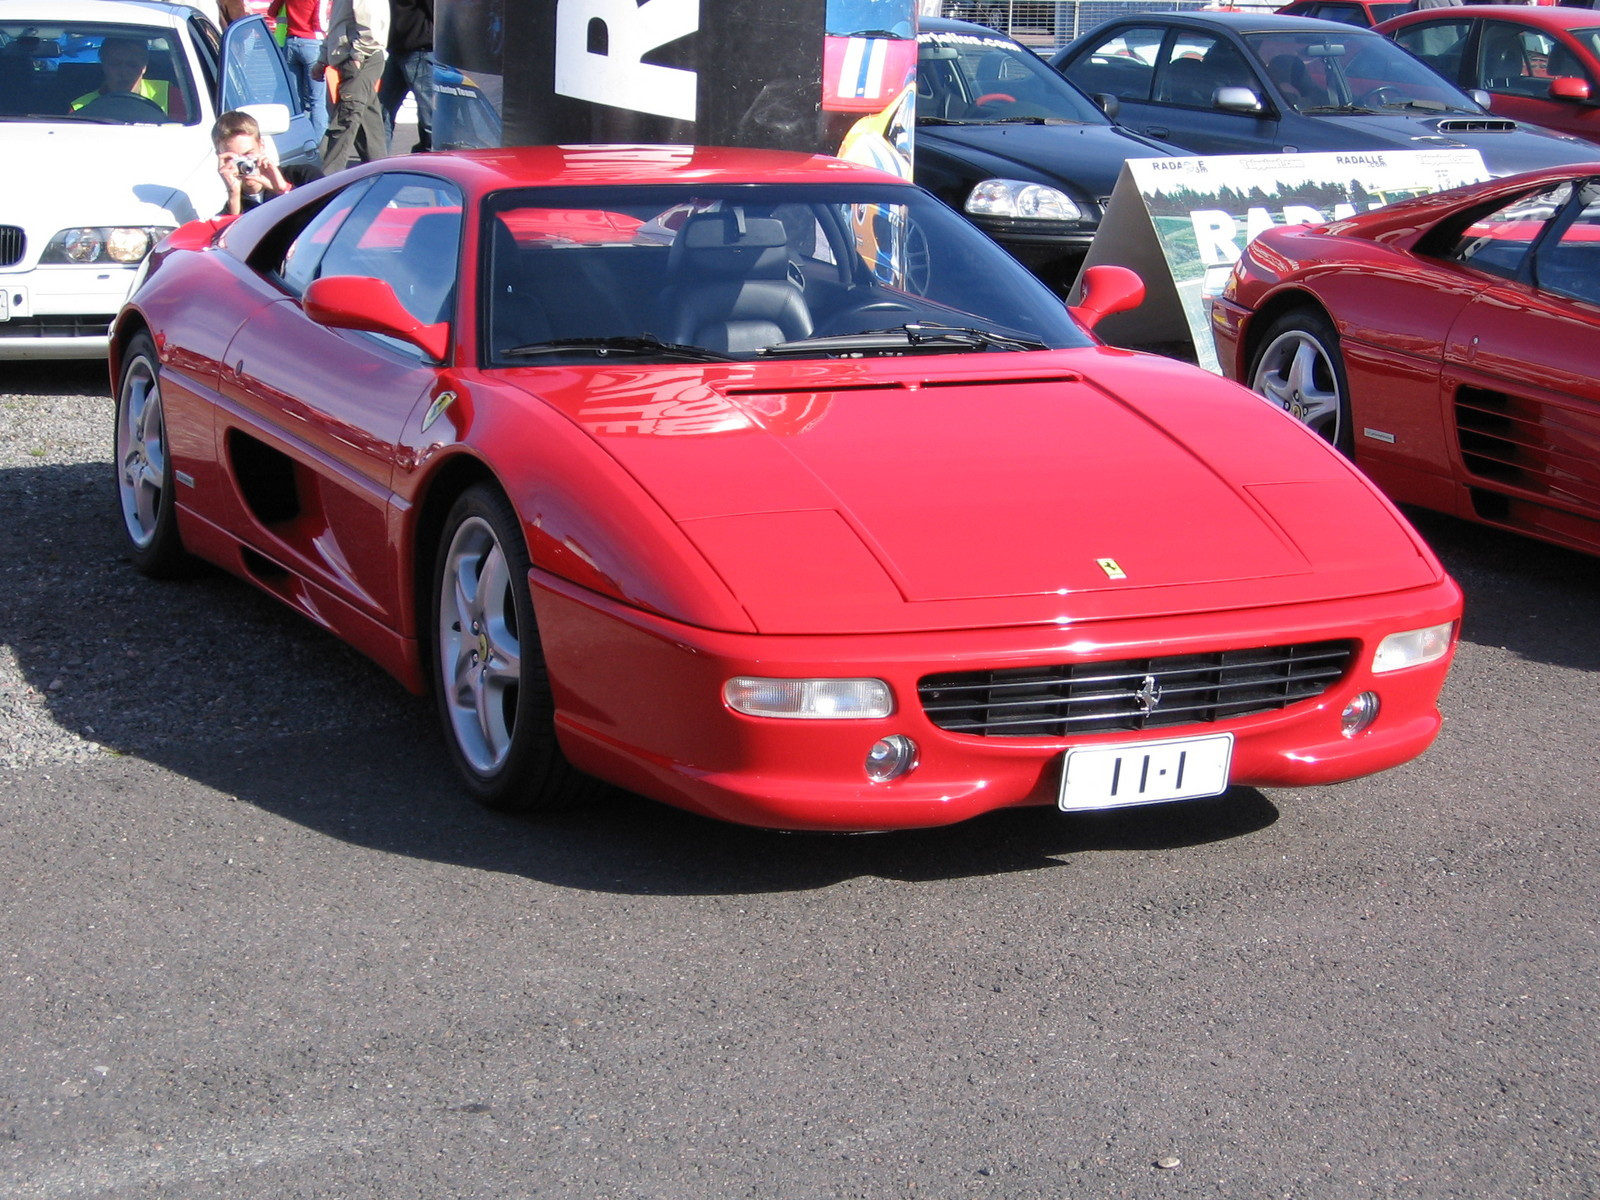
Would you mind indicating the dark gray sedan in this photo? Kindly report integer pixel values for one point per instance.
(1243, 83)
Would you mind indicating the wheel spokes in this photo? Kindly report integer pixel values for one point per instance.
(479, 649)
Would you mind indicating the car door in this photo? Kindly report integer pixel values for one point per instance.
(1516, 66)
(252, 71)
(1526, 398)
(1180, 109)
(311, 415)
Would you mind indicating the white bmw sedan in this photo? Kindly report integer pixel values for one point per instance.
(106, 109)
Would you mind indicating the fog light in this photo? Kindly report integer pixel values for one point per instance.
(1359, 714)
(890, 758)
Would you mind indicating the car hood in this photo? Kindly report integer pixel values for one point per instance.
(1089, 156)
(80, 173)
(981, 490)
(1507, 148)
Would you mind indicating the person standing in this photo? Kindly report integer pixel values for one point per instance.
(358, 31)
(410, 67)
(308, 25)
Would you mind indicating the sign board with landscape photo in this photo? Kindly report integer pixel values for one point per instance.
(1183, 222)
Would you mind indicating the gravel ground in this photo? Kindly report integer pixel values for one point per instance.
(83, 636)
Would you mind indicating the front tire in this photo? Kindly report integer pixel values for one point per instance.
(144, 466)
(489, 675)
(1300, 368)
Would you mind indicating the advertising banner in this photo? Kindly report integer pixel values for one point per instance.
(1183, 222)
(828, 76)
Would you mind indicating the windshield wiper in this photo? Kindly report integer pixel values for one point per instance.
(901, 339)
(1424, 105)
(645, 344)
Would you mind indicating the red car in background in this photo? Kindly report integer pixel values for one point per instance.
(1347, 12)
(1539, 65)
(765, 485)
(1446, 343)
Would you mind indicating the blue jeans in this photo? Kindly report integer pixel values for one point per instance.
(301, 54)
(409, 71)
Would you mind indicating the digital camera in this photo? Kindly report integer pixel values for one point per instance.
(245, 165)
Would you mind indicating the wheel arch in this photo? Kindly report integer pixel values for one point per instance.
(1266, 316)
(129, 325)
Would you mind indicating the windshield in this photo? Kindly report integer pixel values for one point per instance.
(683, 273)
(870, 18)
(1350, 70)
(975, 80)
(94, 72)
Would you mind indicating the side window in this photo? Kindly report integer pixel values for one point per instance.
(1515, 60)
(1196, 65)
(208, 49)
(1498, 241)
(1439, 44)
(1122, 65)
(1570, 265)
(300, 260)
(405, 231)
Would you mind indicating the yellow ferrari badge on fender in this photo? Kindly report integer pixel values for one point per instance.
(1109, 566)
(436, 409)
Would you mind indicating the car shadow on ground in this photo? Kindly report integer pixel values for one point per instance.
(215, 681)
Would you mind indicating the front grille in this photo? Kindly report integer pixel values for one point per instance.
(13, 243)
(1131, 694)
(64, 327)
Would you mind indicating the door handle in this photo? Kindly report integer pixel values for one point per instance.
(1158, 131)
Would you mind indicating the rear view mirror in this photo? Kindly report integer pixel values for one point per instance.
(1105, 290)
(1108, 104)
(370, 305)
(1237, 99)
(1326, 50)
(1569, 88)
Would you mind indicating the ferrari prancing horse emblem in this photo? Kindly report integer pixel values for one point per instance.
(1110, 567)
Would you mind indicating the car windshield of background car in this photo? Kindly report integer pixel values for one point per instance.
(1356, 71)
(969, 80)
(578, 274)
(45, 66)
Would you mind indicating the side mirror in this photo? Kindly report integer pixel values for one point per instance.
(370, 305)
(1108, 104)
(1237, 99)
(1480, 97)
(1106, 290)
(273, 118)
(1570, 88)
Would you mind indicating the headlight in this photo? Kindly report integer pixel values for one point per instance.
(124, 245)
(1018, 198)
(809, 699)
(1412, 648)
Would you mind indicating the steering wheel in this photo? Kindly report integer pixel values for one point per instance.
(852, 319)
(127, 108)
(994, 98)
(1382, 94)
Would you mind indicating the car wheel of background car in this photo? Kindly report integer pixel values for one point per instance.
(144, 472)
(1300, 369)
(127, 108)
(490, 680)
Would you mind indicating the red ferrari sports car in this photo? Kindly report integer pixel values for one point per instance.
(765, 485)
(1446, 343)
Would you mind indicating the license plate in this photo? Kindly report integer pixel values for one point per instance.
(1145, 772)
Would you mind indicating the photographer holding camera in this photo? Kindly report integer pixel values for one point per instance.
(245, 164)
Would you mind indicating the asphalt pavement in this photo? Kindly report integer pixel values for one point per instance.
(256, 944)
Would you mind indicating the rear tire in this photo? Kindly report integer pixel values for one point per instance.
(1300, 368)
(144, 466)
(489, 675)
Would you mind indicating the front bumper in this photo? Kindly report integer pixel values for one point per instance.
(639, 702)
(61, 312)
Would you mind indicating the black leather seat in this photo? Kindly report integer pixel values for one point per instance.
(728, 285)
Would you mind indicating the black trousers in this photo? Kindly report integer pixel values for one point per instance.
(356, 124)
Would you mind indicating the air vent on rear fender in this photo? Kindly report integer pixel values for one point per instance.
(1545, 449)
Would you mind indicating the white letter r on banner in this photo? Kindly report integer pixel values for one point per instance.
(618, 77)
